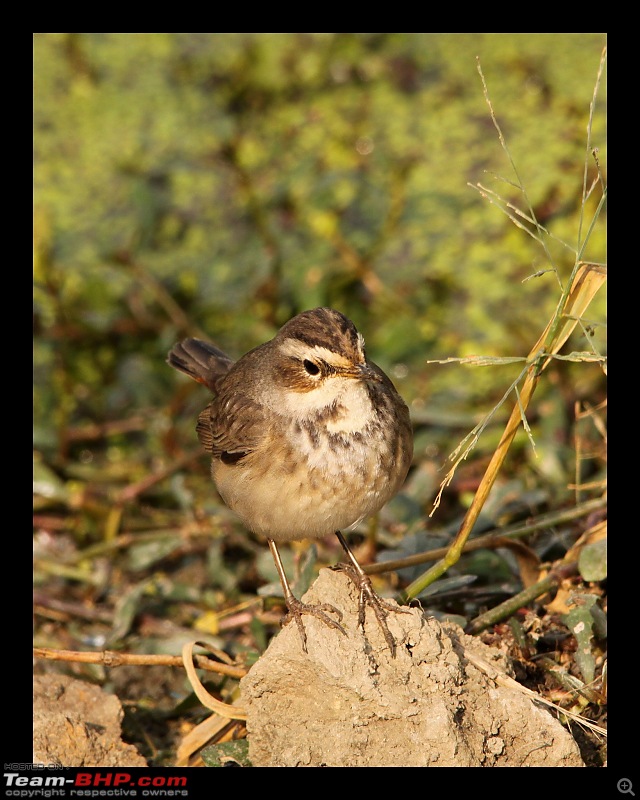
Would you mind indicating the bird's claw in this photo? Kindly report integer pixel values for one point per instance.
(296, 609)
(368, 597)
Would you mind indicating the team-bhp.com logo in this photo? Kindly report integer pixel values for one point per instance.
(81, 783)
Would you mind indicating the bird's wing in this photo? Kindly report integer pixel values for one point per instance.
(231, 428)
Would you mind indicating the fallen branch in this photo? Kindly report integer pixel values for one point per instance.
(109, 658)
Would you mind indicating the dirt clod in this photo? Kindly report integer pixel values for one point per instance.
(347, 702)
(77, 724)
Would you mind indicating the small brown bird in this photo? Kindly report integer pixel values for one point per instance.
(307, 437)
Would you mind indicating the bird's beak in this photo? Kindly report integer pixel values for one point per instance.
(362, 372)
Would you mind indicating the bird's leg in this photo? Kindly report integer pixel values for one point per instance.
(297, 608)
(368, 596)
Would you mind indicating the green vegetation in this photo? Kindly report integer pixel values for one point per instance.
(217, 184)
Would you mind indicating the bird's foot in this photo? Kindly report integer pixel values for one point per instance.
(297, 608)
(368, 597)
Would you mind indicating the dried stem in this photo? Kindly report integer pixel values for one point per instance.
(108, 658)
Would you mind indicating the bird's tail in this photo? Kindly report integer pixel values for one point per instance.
(201, 361)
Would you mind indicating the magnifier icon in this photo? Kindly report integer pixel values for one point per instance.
(626, 787)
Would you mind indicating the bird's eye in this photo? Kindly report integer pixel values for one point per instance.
(312, 369)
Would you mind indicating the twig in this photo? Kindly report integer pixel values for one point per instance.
(42, 603)
(134, 490)
(186, 531)
(109, 658)
(523, 598)
(492, 539)
(103, 430)
(160, 294)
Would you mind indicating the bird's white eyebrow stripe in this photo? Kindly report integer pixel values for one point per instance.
(298, 349)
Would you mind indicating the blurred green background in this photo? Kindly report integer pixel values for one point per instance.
(221, 183)
(217, 184)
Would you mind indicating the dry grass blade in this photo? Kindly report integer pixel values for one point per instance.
(208, 701)
(587, 280)
(510, 683)
(471, 440)
(212, 730)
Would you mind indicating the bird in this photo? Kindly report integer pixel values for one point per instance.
(307, 437)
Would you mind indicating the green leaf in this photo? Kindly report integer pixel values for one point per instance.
(445, 585)
(47, 484)
(592, 561)
(580, 622)
(307, 570)
(227, 754)
(146, 554)
(126, 609)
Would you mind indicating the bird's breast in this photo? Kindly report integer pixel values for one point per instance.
(313, 476)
